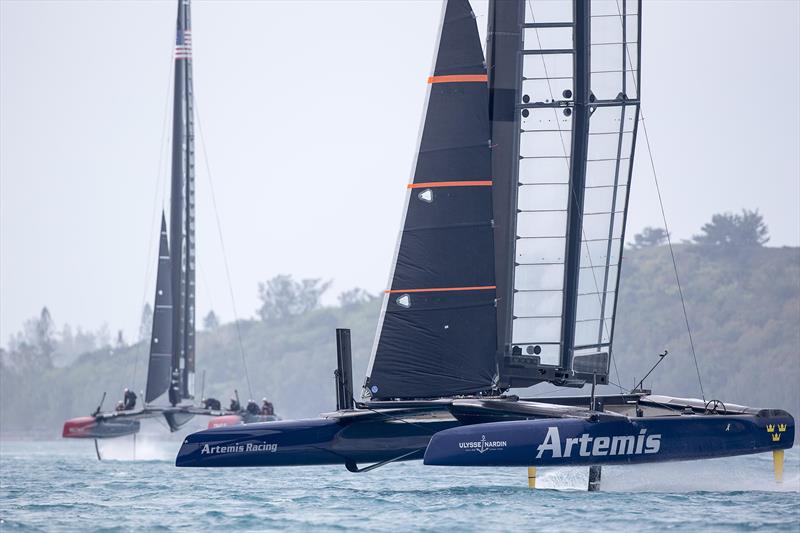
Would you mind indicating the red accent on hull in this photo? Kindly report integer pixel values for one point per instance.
(226, 420)
(77, 428)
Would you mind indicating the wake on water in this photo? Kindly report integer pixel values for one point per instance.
(715, 475)
(154, 442)
(60, 486)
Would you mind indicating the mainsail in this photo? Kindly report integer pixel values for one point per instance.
(159, 368)
(436, 335)
(574, 94)
(182, 217)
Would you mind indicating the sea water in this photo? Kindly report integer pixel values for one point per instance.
(61, 486)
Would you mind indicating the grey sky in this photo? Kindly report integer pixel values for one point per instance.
(310, 112)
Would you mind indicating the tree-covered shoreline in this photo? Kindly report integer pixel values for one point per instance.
(743, 302)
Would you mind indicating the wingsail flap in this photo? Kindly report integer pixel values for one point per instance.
(159, 369)
(436, 335)
(576, 109)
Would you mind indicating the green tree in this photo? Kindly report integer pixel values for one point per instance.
(282, 296)
(355, 296)
(121, 340)
(746, 229)
(45, 334)
(648, 237)
(211, 321)
(146, 324)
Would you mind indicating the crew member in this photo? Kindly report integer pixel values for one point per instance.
(128, 400)
(120, 406)
(235, 405)
(212, 404)
(252, 407)
(267, 407)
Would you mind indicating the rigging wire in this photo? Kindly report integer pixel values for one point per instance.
(159, 177)
(674, 261)
(664, 216)
(224, 253)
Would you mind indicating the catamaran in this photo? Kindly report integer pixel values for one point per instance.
(506, 273)
(171, 366)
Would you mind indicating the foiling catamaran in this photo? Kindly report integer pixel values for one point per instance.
(506, 273)
(171, 366)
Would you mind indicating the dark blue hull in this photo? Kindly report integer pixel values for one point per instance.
(572, 442)
(320, 441)
(493, 433)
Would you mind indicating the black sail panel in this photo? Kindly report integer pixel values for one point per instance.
(437, 332)
(159, 368)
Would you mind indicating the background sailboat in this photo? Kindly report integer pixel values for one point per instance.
(170, 386)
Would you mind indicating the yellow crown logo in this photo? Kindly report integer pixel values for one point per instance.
(776, 437)
(781, 427)
(770, 428)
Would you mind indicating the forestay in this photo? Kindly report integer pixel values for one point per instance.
(437, 331)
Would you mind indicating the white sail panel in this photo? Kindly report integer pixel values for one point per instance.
(544, 170)
(615, 50)
(549, 11)
(542, 303)
(540, 251)
(548, 38)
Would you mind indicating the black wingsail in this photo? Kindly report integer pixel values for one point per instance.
(437, 332)
(182, 211)
(159, 369)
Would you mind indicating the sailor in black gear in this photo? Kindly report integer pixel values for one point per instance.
(235, 405)
(128, 400)
(267, 407)
(252, 407)
(212, 404)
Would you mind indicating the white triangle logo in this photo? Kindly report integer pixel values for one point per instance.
(426, 196)
(404, 301)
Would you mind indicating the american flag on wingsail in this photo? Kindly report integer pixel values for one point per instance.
(183, 45)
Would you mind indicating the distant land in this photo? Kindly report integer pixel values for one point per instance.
(743, 304)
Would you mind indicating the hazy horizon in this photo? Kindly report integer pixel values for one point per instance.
(310, 112)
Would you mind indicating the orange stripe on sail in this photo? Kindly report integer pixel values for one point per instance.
(443, 289)
(431, 184)
(458, 78)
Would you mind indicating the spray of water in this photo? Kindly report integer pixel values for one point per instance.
(719, 475)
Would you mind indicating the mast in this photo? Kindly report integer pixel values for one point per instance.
(577, 179)
(182, 218)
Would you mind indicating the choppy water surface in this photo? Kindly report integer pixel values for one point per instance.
(60, 486)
